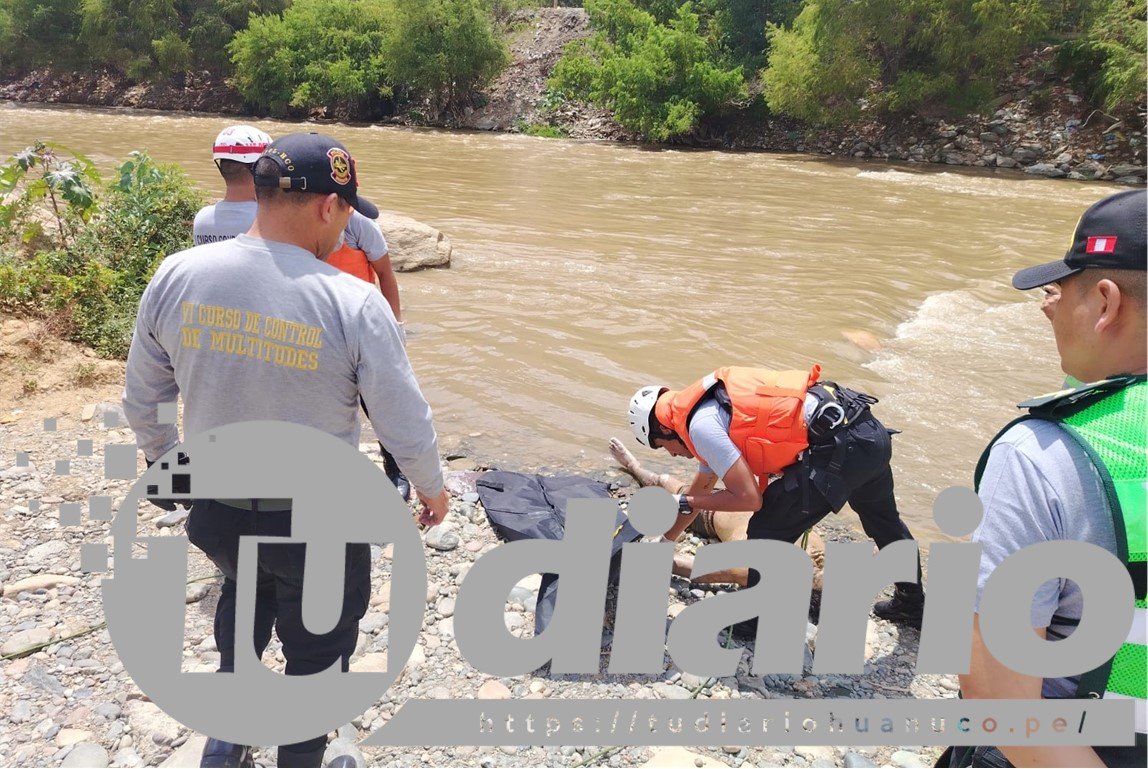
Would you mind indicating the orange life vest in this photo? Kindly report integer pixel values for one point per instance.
(767, 423)
(353, 261)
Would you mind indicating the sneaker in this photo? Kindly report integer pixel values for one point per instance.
(226, 755)
(395, 475)
(906, 607)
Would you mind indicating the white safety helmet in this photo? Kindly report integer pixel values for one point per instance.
(241, 143)
(641, 406)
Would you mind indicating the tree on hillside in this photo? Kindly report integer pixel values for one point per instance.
(120, 32)
(40, 32)
(441, 50)
(318, 53)
(896, 55)
(660, 80)
(1108, 60)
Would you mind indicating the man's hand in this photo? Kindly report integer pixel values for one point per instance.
(434, 508)
(163, 504)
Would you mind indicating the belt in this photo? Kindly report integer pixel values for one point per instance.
(837, 408)
(258, 505)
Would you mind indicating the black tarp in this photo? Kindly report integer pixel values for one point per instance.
(521, 506)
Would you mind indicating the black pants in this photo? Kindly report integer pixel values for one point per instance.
(215, 529)
(864, 479)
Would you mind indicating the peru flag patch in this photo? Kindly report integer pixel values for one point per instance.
(1103, 244)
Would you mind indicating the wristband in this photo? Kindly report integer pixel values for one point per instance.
(684, 507)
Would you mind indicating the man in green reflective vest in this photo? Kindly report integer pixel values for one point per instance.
(1074, 468)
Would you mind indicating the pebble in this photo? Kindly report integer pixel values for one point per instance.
(86, 754)
(857, 761)
(47, 550)
(127, 757)
(25, 639)
(174, 518)
(196, 592)
(493, 689)
(41, 679)
(66, 737)
(21, 712)
(907, 760)
(38, 582)
(670, 691)
(441, 538)
(374, 622)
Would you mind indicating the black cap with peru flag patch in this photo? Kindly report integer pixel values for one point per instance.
(1110, 235)
(312, 162)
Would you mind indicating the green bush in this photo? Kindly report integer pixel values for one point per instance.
(356, 57)
(439, 51)
(840, 56)
(173, 54)
(40, 32)
(1108, 61)
(660, 80)
(93, 273)
(318, 53)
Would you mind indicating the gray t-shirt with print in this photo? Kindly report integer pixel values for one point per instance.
(1039, 486)
(250, 329)
(222, 221)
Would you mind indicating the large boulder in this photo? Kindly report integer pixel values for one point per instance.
(413, 245)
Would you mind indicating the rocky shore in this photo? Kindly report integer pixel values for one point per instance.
(1039, 125)
(66, 700)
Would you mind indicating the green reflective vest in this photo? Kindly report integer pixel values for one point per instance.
(1109, 421)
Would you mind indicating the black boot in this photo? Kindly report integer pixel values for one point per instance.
(906, 607)
(395, 475)
(226, 755)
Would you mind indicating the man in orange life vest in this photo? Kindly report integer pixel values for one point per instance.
(362, 240)
(817, 439)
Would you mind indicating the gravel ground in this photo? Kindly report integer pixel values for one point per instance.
(70, 702)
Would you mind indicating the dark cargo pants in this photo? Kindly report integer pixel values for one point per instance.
(215, 528)
(864, 479)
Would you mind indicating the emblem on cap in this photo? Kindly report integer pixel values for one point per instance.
(340, 165)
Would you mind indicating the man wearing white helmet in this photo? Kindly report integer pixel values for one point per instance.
(235, 151)
(818, 441)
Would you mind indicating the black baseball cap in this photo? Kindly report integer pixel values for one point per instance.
(1111, 235)
(312, 162)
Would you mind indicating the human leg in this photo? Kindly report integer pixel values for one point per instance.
(215, 529)
(875, 504)
(307, 653)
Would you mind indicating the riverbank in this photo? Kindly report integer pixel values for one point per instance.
(67, 700)
(1039, 125)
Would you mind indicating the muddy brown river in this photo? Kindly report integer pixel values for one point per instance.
(584, 270)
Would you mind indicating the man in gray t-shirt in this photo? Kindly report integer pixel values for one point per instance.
(1039, 485)
(234, 152)
(260, 328)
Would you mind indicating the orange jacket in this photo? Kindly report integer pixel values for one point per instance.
(767, 423)
(353, 261)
